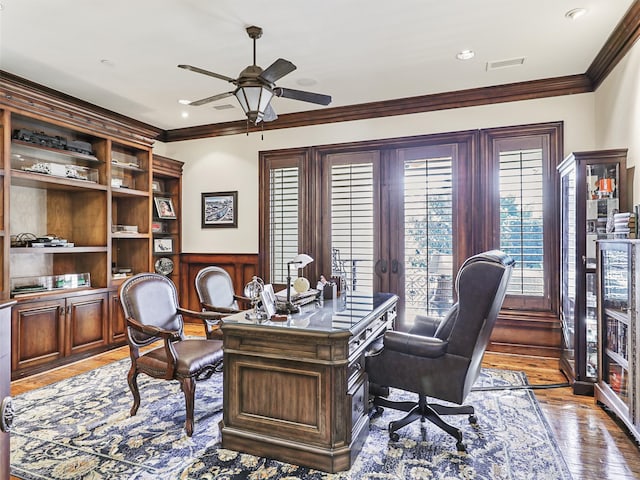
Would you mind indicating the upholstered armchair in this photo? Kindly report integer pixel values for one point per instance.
(150, 304)
(441, 359)
(215, 292)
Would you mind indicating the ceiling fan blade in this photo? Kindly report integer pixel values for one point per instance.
(269, 114)
(277, 70)
(310, 97)
(208, 73)
(213, 98)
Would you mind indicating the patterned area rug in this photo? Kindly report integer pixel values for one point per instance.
(80, 428)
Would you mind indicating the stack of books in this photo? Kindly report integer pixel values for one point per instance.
(624, 225)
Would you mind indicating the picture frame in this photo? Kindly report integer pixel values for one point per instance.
(163, 245)
(164, 207)
(156, 186)
(220, 210)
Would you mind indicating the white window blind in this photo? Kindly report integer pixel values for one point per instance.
(352, 223)
(521, 218)
(428, 235)
(283, 220)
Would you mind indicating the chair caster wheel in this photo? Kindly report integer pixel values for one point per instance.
(461, 447)
(393, 436)
(473, 419)
(376, 412)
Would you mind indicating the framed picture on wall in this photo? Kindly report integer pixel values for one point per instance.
(220, 209)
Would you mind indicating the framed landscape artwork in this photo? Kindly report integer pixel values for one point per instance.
(220, 209)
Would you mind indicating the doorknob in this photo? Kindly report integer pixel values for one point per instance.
(6, 414)
(395, 266)
(381, 266)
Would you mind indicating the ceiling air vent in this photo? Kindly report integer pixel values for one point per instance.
(224, 106)
(513, 62)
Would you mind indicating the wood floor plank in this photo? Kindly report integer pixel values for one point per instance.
(594, 445)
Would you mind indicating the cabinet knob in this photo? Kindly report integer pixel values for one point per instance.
(6, 414)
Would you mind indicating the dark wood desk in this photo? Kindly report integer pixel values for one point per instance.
(297, 391)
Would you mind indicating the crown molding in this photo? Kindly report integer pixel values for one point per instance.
(25, 96)
(617, 45)
(512, 92)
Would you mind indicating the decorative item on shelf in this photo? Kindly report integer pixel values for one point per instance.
(51, 241)
(219, 210)
(164, 207)
(157, 186)
(53, 141)
(25, 285)
(159, 227)
(163, 245)
(163, 266)
(253, 290)
(127, 229)
(122, 159)
(121, 272)
(23, 239)
(624, 225)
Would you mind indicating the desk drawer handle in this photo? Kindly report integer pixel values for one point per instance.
(6, 414)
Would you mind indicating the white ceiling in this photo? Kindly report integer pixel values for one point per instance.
(122, 54)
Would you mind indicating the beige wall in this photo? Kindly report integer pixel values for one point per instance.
(617, 106)
(230, 163)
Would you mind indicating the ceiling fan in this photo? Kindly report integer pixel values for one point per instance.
(256, 87)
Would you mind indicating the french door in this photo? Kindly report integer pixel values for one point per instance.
(392, 219)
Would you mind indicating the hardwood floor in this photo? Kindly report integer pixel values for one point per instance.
(594, 446)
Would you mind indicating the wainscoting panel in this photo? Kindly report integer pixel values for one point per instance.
(242, 267)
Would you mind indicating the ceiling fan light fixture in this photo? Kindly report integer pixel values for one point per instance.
(254, 100)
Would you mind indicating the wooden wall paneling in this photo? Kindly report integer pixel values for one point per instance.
(242, 267)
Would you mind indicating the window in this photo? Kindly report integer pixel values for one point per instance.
(283, 220)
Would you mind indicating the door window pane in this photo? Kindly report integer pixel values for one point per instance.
(283, 220)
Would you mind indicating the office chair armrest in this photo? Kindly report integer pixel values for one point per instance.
(224, 310)
(171, 335)
(415, 344)
(210, 320)
(425, 325)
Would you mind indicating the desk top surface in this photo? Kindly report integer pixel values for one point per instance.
(342, 314)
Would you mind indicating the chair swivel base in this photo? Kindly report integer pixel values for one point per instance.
(424, 411)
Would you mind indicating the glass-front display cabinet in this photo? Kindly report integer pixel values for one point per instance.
(592, 189)
(618, 324)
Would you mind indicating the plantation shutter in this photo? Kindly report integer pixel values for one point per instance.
(352, 223)
(521, 218)
(428, 231)
(284, 208)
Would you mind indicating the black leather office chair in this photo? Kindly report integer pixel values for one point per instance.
(150, 305)
(442, 358)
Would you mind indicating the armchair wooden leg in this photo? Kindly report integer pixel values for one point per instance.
(132, 378)
(188, 386)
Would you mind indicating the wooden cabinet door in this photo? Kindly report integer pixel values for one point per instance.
(5, 382)
(87, 317)
(117, 324)
(37, 331)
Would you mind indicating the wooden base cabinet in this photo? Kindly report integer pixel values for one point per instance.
(6, 410)
(618, 384)
(46, 332)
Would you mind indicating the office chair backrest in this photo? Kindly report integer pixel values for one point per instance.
(215, 287)
(481, 285)
(150, 299)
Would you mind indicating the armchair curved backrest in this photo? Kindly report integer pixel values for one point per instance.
(152, 300)
(215, 290)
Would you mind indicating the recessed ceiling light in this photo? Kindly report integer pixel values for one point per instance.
(575, 13)
(185, 114)
(184, 102)
(465, 55)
